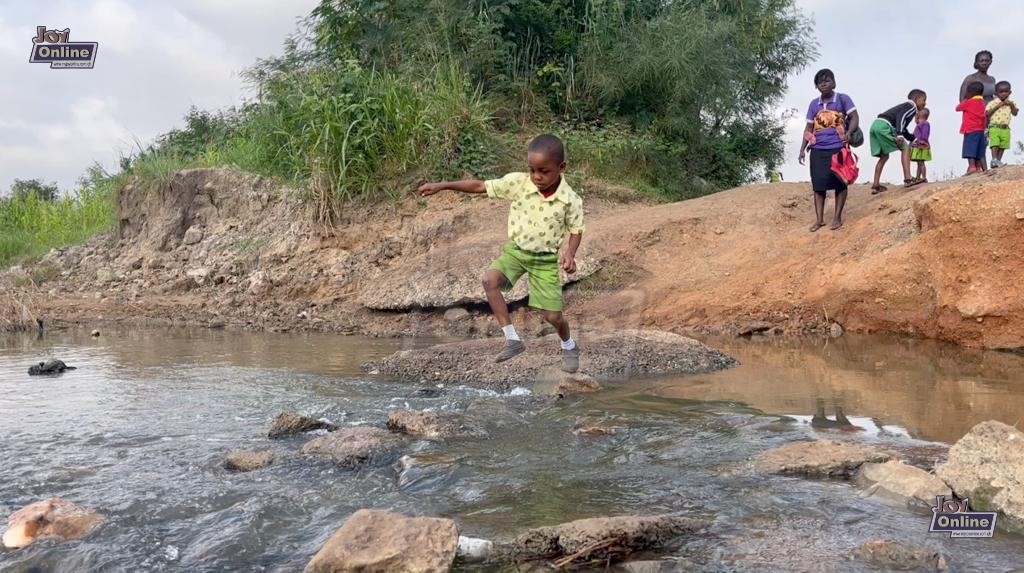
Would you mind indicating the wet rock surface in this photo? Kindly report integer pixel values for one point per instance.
(606, 355)
(350, 447)
(602, 537)
(821, 458)
(53, 518)
(893, 556)
(248, 460)
(383, 542)
(289, 423)
(423, 424)
(554, 383)
(899, 480)
(987, 467)
(49, 367)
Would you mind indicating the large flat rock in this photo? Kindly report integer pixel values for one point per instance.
(614, 354)
(449, 277)
(822, 458)
(598, 536)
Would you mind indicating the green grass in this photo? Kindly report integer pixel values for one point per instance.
(30, 226)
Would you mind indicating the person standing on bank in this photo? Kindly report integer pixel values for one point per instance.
(982, 61)
(830, 118)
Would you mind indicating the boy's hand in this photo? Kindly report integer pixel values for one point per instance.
(900, 142)
(429, 189)
(567, 262)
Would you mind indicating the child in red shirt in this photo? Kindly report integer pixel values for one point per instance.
(973, 127)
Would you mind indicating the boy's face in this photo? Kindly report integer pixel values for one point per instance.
(921, 101)
(544, 171)
(826, 85)
(1003, 92)
(921, 117)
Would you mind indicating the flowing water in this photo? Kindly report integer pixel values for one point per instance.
(140, 430)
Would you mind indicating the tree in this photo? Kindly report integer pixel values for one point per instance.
(22, 188)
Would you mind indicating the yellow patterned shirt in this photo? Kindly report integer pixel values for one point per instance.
(537, 224)
(1002, 116)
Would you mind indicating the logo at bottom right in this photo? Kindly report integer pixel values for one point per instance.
(953, 516)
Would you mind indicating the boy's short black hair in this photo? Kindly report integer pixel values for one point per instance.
(916, 93)
(1003, 84)
(822, 74)
(975, 89)
(549, 145)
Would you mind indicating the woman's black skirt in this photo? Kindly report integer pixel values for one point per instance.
(822, 178)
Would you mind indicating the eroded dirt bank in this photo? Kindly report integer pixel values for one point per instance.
(226, 249)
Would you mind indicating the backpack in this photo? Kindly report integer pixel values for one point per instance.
(846, 166)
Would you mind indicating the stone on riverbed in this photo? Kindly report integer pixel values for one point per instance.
(51, 518)
(422, 424)
(554, 383)
(986, 466)
(896, 479)
(248, 460)
(612, 354)
(600, 537)
(894, 556)
(383, 542)
(288, 423)
(350, 447)
(824, 458)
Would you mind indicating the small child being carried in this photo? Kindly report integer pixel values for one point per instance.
(921, 148)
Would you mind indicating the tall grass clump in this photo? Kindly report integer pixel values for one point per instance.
(31, 225)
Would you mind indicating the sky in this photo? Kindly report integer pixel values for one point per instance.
(157, 58)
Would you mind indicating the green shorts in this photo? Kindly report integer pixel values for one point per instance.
(999, 137)
(883, 138)
(920, 154)
(542, 271)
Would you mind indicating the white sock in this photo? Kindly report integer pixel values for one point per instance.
(568, 344)
(510, 332)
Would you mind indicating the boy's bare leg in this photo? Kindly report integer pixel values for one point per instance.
(922, 170)
(556, 319)
(493, 281)
(878, 170)
(905, 158)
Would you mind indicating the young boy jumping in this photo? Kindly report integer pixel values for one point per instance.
(544, 209)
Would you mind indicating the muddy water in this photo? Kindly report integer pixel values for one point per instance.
(140, 429)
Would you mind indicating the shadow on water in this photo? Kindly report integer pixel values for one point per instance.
(140, 430)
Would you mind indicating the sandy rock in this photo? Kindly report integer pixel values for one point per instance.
(456, 314)
(383, 542)
(901, 480)
(987, 467)
(894, 556)
(432, 280)
(51, 518)
(611, 354)
(632, 533)
(248, 460)
(819, 458)
(288, 423)
(193, 235)
(350, 447)
(552, 382)
(835, 330)
(105, 275)
(200, 275)
(422, 424)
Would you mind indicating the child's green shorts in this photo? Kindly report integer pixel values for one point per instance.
(999, 137)
(541, 270)
(883, 138)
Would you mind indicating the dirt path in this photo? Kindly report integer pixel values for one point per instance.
(220, 248)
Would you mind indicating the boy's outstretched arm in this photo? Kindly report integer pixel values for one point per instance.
(464, 186)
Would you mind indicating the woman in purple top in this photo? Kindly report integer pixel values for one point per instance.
(829, 119)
